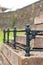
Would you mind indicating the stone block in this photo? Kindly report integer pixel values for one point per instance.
(38, 27)
(1, 63)
(10, 54)
(3, 60)
(21, 39)
(38, 42)
(19, 58)
(39, 19)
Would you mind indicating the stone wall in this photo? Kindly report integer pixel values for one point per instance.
(23, 16)
(17, 57)
(21, 39)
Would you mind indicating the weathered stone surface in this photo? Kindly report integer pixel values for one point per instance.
(38, 42)
(33, 61)
(3, 60)
(1, 63)
(22, 16)
(39, 19)
(21, 39)
(18, 57)
(38, 27)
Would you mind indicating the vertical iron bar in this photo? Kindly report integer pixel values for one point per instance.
(14, 37)
(8, 36)
(4, 35)
(27, 41)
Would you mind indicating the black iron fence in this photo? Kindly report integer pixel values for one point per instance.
(30, 34)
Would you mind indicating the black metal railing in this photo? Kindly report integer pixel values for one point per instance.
(30, 34)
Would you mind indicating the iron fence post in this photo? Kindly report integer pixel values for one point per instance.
(8, 36)
(27, 41)
(14, 37)
(4, 35)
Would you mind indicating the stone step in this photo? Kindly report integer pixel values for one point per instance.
(17, 57)
(3, 60)
(1, 63)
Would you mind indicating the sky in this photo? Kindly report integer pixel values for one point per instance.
(15, 4)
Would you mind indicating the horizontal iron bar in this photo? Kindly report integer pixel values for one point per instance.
(37, 31)
(39, 49)
(20, 30)
(16, 31)
(9, 31)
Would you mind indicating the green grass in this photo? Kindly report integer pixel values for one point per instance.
(10, 36)
(1, 36)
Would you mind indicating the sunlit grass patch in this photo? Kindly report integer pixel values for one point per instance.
(11, 35)
(1, 36)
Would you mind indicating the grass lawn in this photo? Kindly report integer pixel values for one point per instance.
(10, 36)
(1, 36)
